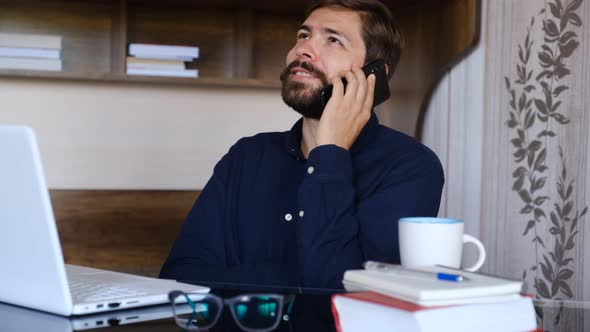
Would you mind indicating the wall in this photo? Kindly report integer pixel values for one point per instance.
(517, 158)
(538, 134)
(435, 33)
(132, 136)
(452, 128)
(142, 136)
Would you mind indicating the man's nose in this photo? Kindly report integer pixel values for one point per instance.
(305, 51)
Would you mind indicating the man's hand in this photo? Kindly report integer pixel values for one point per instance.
(347, 113)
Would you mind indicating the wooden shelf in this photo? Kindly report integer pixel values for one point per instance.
(221, 82)
(201, 81)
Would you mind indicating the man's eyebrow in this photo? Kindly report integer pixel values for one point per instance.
(335, 32)
(305, 27)
(326, 30)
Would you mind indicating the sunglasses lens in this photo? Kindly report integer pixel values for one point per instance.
(257, 312)
(203, 315)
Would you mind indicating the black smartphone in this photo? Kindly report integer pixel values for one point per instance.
(376, 67)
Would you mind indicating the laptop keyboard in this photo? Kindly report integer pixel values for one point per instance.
(88, 290)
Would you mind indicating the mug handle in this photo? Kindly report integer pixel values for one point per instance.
(480, 248)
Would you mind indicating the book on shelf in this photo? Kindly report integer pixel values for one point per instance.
(192, 73)
(370, 311)
(30, 64)
(137, 63)
(163, 57)
(429, 291)
(30, 40)
(171, 52)
(28, 52)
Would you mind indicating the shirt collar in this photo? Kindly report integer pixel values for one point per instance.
(293, 138)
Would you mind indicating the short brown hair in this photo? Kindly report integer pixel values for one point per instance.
(382, 37)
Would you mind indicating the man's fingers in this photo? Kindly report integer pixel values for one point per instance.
(368, 103)
(347, 111)
(337, 87)
(351, 87)
(362, 86)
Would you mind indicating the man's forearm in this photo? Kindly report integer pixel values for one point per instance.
(327, 234)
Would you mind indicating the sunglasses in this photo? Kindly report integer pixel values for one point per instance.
(251, 312)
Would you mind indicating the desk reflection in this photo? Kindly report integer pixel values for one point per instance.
(14, 318)
(310, 312)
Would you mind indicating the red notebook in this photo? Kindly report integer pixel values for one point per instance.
(369, 311)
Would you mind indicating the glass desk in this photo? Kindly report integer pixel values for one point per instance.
(311, 311)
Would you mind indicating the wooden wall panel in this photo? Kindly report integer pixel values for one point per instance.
(122, 230)
(452, 128)
(85, 27)
(274, 36)
(436, 35)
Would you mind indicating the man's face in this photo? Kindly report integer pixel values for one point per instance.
(328, 43)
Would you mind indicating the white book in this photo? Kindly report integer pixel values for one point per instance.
(429, 291)
(164, 73)
(27, 52)
(163, 57)
(30, 64)
(30, 40)
(163, 51)
(137, 63)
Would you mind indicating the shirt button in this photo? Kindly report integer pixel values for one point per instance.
(288, 217)
(301, 213)
(310, 169)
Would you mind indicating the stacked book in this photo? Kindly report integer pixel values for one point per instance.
(30, 52)
(161, 60)
(419, 300)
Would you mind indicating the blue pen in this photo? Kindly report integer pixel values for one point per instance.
(399, 270)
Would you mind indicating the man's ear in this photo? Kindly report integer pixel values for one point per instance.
(386, 70)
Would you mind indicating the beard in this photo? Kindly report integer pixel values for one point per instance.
(301, 97)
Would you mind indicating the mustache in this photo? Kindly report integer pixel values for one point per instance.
(307, 66)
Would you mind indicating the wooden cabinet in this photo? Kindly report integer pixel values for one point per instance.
(239, 46)
(242, 43)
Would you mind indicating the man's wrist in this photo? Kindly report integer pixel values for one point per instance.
(323, 142)
(330, 162)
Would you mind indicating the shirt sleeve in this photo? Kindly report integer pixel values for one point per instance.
(339, 231)
(204, 250)
(199, 243)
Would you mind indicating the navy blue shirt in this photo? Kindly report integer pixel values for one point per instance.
(270, 216)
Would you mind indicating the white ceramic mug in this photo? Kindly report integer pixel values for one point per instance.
(426, 241)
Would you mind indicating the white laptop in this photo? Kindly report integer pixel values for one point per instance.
(32, 269)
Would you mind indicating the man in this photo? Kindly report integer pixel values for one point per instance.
(299, 208)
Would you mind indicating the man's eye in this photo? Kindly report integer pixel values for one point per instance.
(335, 40)
(302, 36)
